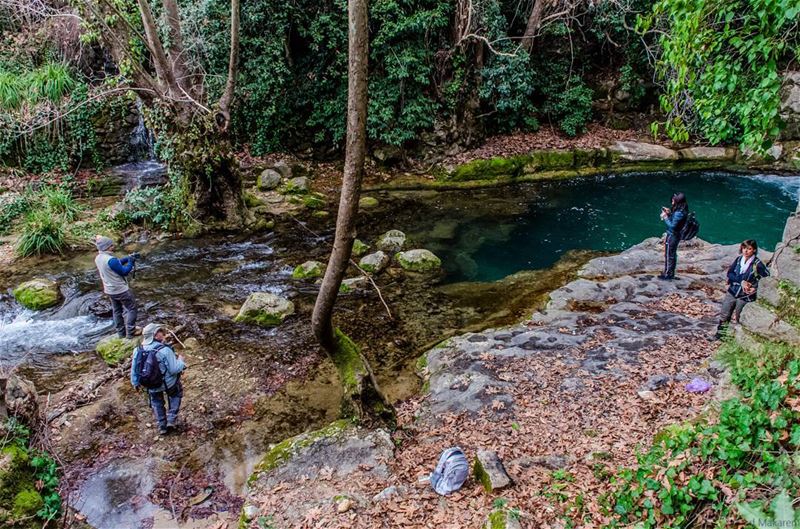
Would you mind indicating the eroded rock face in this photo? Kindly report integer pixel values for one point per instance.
(265, 309)
(790, 106)
(38, 294)
(20, 397)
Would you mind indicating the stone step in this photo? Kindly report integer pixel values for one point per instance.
(762, 321)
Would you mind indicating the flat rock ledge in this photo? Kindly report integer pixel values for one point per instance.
(612, 299)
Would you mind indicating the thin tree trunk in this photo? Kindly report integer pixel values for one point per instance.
(233, 65)
(154, 44)
(534, 21)
(321, 319)
(177, 54)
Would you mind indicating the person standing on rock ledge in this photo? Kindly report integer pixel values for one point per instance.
(113, 273)
(743, 277)
(674, 218)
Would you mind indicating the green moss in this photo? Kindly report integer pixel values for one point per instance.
(488, 169)
(264, 319)
(114, 349)
(348, 361)
(252, 201)
(554, 159)
(481, 476)
(497, 519)
(424, 263)
(38, 294)
(359, 248)
(320, 214)
(309, 269)
(285, 450)
(313, 201)
(367, 202)
(422, 363)
(27, 503)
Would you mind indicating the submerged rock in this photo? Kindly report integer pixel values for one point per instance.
(374, 263)
(420, 260)
(268, 179)
(392, 241)
(114, 349)
(265, 309)
(309, 269)
(38, 294)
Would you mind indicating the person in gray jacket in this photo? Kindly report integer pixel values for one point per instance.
(171, 367)
(113, 273)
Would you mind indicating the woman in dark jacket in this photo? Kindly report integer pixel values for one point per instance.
(674, 218)
(743, 276)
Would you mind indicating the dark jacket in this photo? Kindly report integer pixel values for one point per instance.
(752, 275)
(674, 222)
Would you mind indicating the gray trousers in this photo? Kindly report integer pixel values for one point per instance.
(123, 306)
(731, 306)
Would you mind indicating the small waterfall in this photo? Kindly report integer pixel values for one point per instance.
(141, 138)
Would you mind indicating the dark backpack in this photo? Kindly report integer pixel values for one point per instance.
(690, 227)
(150, 375)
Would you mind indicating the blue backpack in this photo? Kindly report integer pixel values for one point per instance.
(451, 471)
(150, 375)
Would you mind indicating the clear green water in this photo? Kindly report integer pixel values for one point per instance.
(487, 235)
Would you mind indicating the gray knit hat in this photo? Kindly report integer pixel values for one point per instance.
(103, 243)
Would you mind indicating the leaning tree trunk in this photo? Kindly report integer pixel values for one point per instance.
(361, 393)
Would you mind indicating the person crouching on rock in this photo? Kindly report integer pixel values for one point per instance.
(674, 217)
(156, 368)
(743, 276)
(113, 273)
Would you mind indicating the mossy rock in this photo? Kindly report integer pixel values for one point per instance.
(265, 309)
(314, 201)
(374, 263)
(420, 260)
(367, 203)
(359, 248)
(296, 186)
(353, 283)
(114, 349)
(309, 269)
(26, 503)
(38, 294)
(488, 169)
(392, 241)
(252, 201)
(285, 450)
(268, 179)
(320, 214)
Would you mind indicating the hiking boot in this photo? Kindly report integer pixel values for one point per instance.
(666, 278)
(137, 331)
(163, 430)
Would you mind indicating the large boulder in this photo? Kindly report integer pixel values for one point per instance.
(268, 179)
(114, 349)
(420, 260)
(265, 309)
(759, 320)
(374, 263)
(392, 241)
(308, 270)
(38, 294)
(786, 263)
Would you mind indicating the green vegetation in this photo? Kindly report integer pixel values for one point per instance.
(28, 480)
(721, 64)
(48, 215)
(114, 350)
(733, 466)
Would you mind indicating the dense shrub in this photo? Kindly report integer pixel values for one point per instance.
(43, 232)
